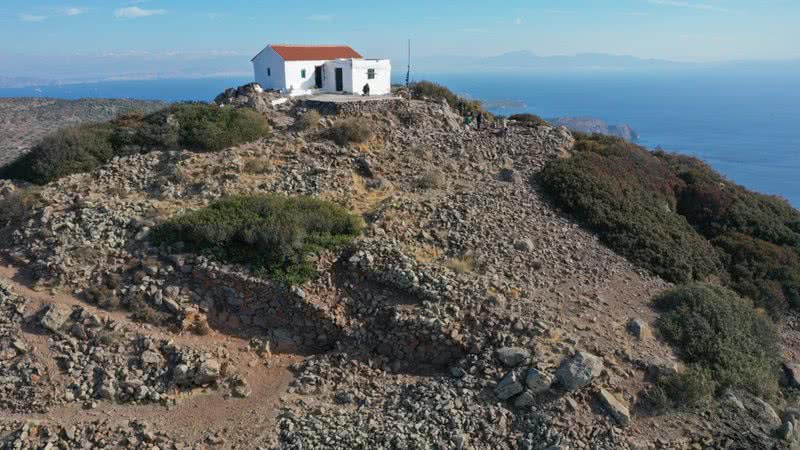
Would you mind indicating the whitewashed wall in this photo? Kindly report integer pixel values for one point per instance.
(269, 59)
(347, 75)
(295, 83)
(381, 84)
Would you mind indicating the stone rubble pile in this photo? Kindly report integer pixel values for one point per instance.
(104, 361)
(23, 377)
(97, 434)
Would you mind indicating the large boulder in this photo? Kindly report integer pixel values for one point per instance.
(513, 356)
(55, 318)
(578, 371)
(208, 372)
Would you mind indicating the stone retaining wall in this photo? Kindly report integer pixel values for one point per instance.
(353, 107)
(290, 323)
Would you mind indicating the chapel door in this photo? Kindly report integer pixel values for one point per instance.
(318, 76)
(339, 79)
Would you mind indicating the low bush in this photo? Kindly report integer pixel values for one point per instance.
(273, 234)
(427, 89)
(350, 131)
(715, 330)
(193, 126)
(689, 389)
(531, 120)
(16, 206)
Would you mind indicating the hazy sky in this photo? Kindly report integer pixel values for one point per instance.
(687, 30)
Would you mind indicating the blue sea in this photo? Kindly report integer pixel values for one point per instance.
(745, 124)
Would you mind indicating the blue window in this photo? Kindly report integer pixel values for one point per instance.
(303, 73)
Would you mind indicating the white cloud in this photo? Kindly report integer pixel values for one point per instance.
(74, 11)
(320, 18)
(691, 5)
(134, 12)
(32, 18)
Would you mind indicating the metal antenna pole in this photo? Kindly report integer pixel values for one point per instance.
(408, 73)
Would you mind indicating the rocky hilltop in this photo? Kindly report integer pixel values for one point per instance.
(469, 314)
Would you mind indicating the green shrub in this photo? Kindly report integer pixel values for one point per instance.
(714, 329)
(677, 217)
(194, 126)
(427, 89)
(531, 120)
(271, 233)
(349, 131)
(204, 127)
(623, 193)
(64, 152)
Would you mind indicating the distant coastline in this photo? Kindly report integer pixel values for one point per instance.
(743, 124)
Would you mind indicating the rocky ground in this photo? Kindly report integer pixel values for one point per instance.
(24, 121)
(470, 315)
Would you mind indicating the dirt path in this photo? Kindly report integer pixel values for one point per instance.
(239, 422)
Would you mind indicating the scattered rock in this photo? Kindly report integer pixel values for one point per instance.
(538, 381)
(508, 387)
(615, 407)
(578, 371)
(639, 328)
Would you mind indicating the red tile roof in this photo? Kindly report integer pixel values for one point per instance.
(314, 52)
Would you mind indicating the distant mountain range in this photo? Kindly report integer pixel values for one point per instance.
(527, 59)
(21, 70)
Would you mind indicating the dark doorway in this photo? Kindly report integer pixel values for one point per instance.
(318, 76)
(339, 80)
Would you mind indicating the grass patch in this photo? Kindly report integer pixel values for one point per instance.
(309, 120)
(431, 179)
(350, 131)
(258, 166)
(677, 217)
(461, 265)
(717, 331)
(273, 234)
(193, 126)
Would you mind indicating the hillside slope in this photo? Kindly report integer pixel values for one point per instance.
(470, 314)
(24, 121)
